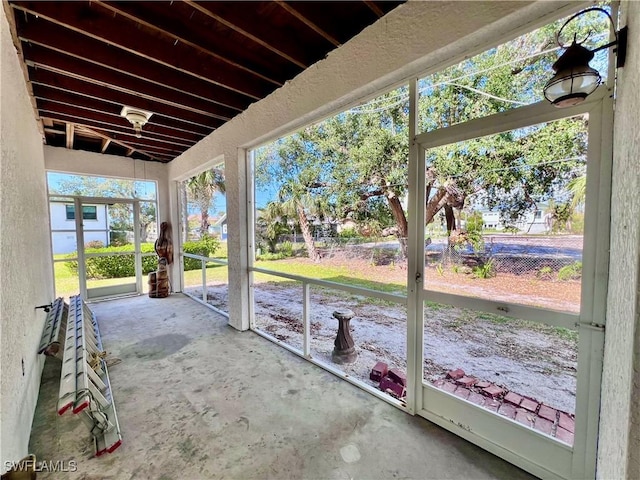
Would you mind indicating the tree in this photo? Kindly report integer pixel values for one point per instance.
(202, 188)
(271, 223)
(356, 158)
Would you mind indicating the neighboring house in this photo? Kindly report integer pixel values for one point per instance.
(63, 226)
(532, 222)
(220, 226)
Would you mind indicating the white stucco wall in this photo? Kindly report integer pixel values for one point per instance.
(619, 445)
(417, 37)
(26, 274)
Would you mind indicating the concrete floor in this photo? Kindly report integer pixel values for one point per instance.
(198, 400)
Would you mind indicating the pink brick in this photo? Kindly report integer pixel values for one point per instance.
(529, 404)
(547, 413)
(439, 382)
(493, 391)
(567, 422)
(507, 410)
(564, 436)
(462, 392)
(398, 376)
(492, 405)
(456, 374)
(525, 417)
(483, 384)
(544, 425)
(476, 398)
(389, 386)
(513, 398)
(449, 387)
(466, 381)
(378, 371)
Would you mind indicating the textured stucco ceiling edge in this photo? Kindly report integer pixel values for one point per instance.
(386, 43)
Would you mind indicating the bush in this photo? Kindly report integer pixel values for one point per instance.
(570, 272)
(114, 266)
(205, 248)
(485, 270)
(120, 266)
(94, 244)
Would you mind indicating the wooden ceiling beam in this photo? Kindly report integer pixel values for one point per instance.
(133, 143)
(308, 22)
(105, 144)
(114, 33)
(90, 119)
(206, 9)
(171, 91)
(374, 8)
(176, 33)
(109, 139)
(81, 92)
(65, 103)
(70, 131)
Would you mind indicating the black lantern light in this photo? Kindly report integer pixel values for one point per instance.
(574, 79)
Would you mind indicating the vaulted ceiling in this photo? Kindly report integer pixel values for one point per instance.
(193, 64)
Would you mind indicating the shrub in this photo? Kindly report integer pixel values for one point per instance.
(348, 233)
(94, 244)
(544, 273)
(119, 266)
(485, 270)
(267, 256)
(205, 247)
(570, 272)
(114, 266)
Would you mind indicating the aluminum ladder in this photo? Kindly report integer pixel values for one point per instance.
(55, 326)
(84, 381)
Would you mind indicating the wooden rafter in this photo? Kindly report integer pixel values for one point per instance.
(374, 8)
(308, 22)
(105, 144)
(93, 111)
(245, 33)
(193, 124)
(18, 46)
(118, 142)
(120, 10)
(70, 131)
(154, 51)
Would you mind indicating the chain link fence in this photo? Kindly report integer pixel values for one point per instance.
(544, 256)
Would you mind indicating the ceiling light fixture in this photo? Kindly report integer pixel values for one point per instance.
(137, 117)
(574, 79)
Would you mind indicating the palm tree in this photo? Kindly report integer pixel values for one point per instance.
(296, 201)
(578, 189)
(202, 188)
(272, 222)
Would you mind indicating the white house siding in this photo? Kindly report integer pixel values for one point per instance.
(26, 273)
(65, 242)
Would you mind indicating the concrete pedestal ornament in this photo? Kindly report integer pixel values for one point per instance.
(344, 350)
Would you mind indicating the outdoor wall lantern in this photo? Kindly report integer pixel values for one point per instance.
(137, 117)
(574, 79)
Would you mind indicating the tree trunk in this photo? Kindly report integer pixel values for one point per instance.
(306, 233)
(401, 221)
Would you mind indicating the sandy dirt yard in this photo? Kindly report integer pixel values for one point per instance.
(530, 359)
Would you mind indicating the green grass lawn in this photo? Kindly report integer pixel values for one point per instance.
(67, 281)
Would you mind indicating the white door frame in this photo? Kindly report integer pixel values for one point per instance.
(110, 291)
(529, 449)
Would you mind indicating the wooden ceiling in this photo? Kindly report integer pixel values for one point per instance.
(193, 64)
